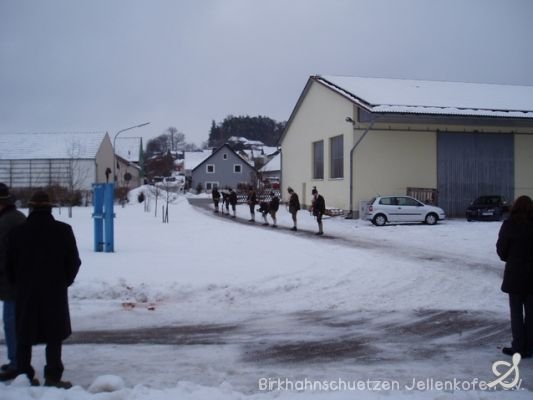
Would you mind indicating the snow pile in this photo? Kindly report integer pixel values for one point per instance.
(107, 383)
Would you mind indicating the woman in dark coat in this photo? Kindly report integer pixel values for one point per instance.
(515, 247)
(43, 262)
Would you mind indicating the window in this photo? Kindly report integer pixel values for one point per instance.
(225, 156)
(387, 201)
(211, 185)
(406, 201)
(237, 168)
(210, 168)
(336, 145)
(318, 160)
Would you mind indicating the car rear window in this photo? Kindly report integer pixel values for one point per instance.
(386, 201)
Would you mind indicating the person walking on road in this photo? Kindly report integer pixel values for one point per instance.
(252, 201)
(43, 261)
(294, 206)
(215, 195)
(232, 198)
(273, 208)
(515, 247)
(318, 208)
(10, 217)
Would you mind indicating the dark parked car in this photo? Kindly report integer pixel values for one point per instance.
(491, 208)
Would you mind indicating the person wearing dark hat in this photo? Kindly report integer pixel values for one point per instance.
(10, 217)
(319, 208)
(43, 262)
(294, 206)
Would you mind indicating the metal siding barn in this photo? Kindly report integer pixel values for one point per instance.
(471, 165)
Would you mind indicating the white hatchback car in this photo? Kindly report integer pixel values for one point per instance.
(394, 209)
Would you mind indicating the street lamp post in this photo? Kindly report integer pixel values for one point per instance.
(114, 148)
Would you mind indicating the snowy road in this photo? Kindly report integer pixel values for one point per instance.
(218, 305)
(441, 344)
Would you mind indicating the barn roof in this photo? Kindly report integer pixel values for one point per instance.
(29, 146)
(433, 97)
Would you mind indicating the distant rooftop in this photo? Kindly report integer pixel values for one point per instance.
(25, 146)
(433, 97)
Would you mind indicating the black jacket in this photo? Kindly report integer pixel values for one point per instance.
(294, 203)
(233, 198)
(515, 247)
(319, 205)
(10, 217)
(274, 204)
(43, 261)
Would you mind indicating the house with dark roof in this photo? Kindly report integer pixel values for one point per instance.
(224, 168)
(445, 142)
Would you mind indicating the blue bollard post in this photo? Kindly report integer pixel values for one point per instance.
(109, 215)
(98, 217)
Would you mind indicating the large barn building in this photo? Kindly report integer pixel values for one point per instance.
(446, 142)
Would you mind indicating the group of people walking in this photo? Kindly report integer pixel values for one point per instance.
(39, 260)
(223, 200)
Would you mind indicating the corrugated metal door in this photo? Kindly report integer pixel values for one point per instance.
(471, 165)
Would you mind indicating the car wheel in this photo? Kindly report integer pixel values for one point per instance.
(431, 219)
(380, 220)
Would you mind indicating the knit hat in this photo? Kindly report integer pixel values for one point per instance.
(40, 199)
(5, 197)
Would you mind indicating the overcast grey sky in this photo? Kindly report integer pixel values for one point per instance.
(104, 65)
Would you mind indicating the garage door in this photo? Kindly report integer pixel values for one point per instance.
(471, 165)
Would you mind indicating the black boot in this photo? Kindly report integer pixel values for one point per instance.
(58, 384)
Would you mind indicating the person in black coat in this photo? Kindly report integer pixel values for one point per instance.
(515, 247)
(43, 262)
(10, 217)
(252, 201)
(215, 194)
(318, 208)
(273, 208)
(294, 206)
(233, 202)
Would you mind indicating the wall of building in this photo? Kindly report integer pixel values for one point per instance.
(40, 173)
(321, 116)
(523, 165)
(388, 162)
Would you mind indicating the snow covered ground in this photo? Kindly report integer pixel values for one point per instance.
(207, 307)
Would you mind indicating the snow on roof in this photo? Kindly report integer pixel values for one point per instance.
(195, 158)
(273, 165)
(28, 146)
(128, 148)
(434, 97)
(245, 141)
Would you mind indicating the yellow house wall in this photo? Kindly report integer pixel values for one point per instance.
(388, 163)
(523, 165)
(322, 115)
